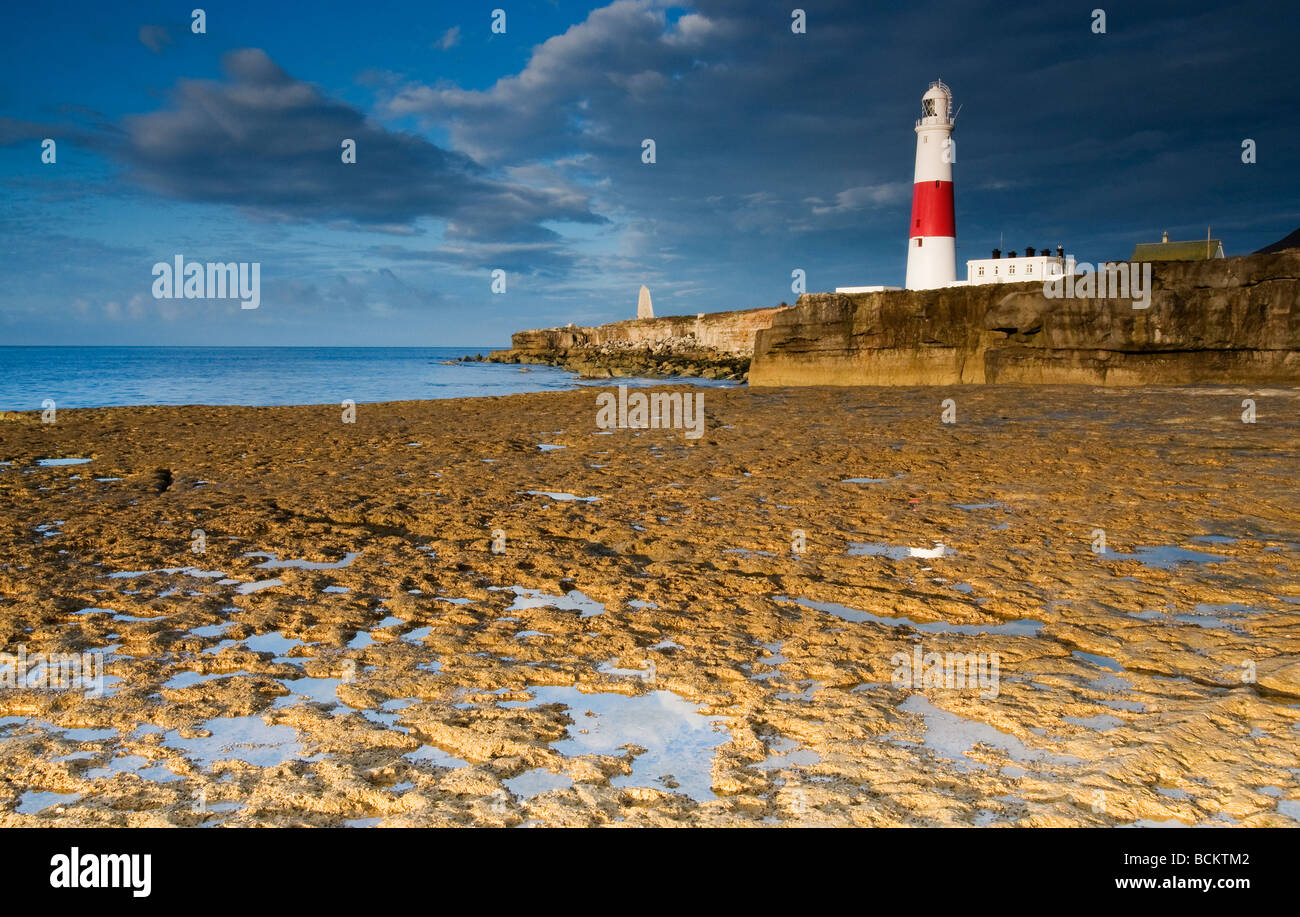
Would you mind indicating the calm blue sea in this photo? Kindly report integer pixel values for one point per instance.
(86, 377)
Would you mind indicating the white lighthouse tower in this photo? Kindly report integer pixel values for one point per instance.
(932, 242)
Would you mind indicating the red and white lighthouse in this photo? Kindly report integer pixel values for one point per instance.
(932, 242)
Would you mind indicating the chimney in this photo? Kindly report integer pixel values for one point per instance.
(1011, 254)
(997, 253)
(1029, 252)
(1060, 251)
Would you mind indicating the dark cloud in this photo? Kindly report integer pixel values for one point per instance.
(775, 151)
(373, 293)
(775, 145)
(76, 124)
(266, 141)
(155, 37)
(765, 159)
(13, 131)
(542, 259)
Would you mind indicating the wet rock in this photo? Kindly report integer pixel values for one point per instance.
(413, 696)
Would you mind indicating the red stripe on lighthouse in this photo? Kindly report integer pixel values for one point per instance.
(932, 210)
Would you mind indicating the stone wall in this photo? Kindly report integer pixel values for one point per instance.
(727, 332)
(1235, 320)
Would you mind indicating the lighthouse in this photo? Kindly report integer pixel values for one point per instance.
(932, 242)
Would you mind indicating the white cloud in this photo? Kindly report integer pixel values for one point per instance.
(449, 39)
(863, 197)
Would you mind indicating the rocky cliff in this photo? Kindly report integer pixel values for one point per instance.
(714, 345)
(1235, 320)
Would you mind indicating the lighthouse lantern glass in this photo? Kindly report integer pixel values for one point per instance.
(927, 107)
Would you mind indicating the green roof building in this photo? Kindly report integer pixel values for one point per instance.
(1164, 250)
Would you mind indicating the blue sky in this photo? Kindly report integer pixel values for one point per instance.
(522, 151)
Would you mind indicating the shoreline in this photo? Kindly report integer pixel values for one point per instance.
(612, 382)
(32, 416)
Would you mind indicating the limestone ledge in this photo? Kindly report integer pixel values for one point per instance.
(715, 345)
(675, 357)
(1235, 320)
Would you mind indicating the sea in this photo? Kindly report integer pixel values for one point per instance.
(92, 377)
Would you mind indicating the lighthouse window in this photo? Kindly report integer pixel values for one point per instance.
(1011, 268)
(918, 242)
(981, 272)
(1029, 268)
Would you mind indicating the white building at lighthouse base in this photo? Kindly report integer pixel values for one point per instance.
(1042, 266)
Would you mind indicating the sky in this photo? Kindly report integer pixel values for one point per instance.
(521, 151)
